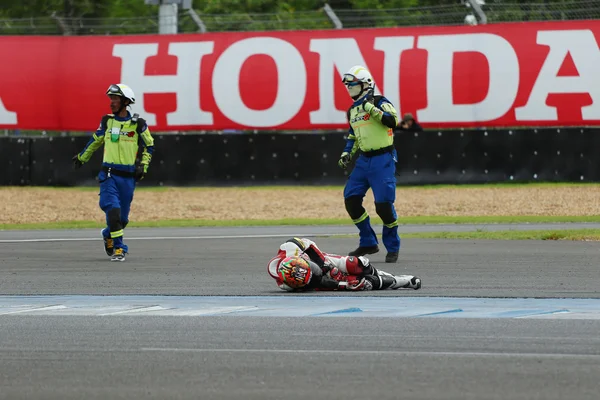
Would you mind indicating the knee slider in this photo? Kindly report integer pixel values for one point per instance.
(385, 212)
(354, 206)
(375, 281)
(114, 219)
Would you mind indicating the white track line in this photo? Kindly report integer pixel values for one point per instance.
(287, 235)
(35, 309)
(216, 311)
(342, 353)
(136, 310)
(379, 352)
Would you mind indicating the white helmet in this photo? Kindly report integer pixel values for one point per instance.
(358, 81)
(121, 90)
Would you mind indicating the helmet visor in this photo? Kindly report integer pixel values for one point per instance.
(115, 90)
(350, 80)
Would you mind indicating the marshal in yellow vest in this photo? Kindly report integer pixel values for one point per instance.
(367, 131)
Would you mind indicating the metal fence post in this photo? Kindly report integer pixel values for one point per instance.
(64, 27)
(197, 20)
(167, 19)
(332, 16)
(479, 11)
(167, 14)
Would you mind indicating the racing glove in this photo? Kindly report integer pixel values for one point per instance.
(353, 285)
(344, 160)
(326, 267)
(77, 163)
(347, 282)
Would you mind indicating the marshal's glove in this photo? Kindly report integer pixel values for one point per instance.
(369, 102)
(344, 160)
(77, 163)
(140, 172)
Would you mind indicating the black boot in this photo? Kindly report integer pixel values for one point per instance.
(362, 251)
(391, 257)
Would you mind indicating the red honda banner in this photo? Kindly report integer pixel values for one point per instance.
(498, 75)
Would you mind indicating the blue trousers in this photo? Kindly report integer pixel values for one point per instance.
(116, 192)
(379, 174)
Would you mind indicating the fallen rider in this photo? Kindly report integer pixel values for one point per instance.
(301, 266)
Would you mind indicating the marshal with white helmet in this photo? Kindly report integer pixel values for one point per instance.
(358, 81)
(120, 89)
(121, 134)
(372, 120)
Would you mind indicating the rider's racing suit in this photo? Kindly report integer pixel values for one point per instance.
(335, 272)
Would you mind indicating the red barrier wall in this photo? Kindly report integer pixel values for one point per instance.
(523, 74)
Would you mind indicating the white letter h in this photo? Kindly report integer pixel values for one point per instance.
(185, 83)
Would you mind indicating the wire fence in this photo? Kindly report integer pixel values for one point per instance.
(79, 26)
(264, 22)
(454, 14)
(547, 11)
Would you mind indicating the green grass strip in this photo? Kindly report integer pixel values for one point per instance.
(310, 222)
(567, 234)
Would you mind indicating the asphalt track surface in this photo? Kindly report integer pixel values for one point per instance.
(232, 357)
(229, 261)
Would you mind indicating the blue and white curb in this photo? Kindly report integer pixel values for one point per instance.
(298, 306)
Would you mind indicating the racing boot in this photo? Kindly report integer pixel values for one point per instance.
(362, 251)
(384, 280)
(406, 282)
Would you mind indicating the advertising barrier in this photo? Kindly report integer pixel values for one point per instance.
(430, 157)
(497, 75)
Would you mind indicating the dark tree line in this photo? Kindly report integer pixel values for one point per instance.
(81, 17)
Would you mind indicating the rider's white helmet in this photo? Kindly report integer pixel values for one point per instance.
(358, 81)
(123, 90)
